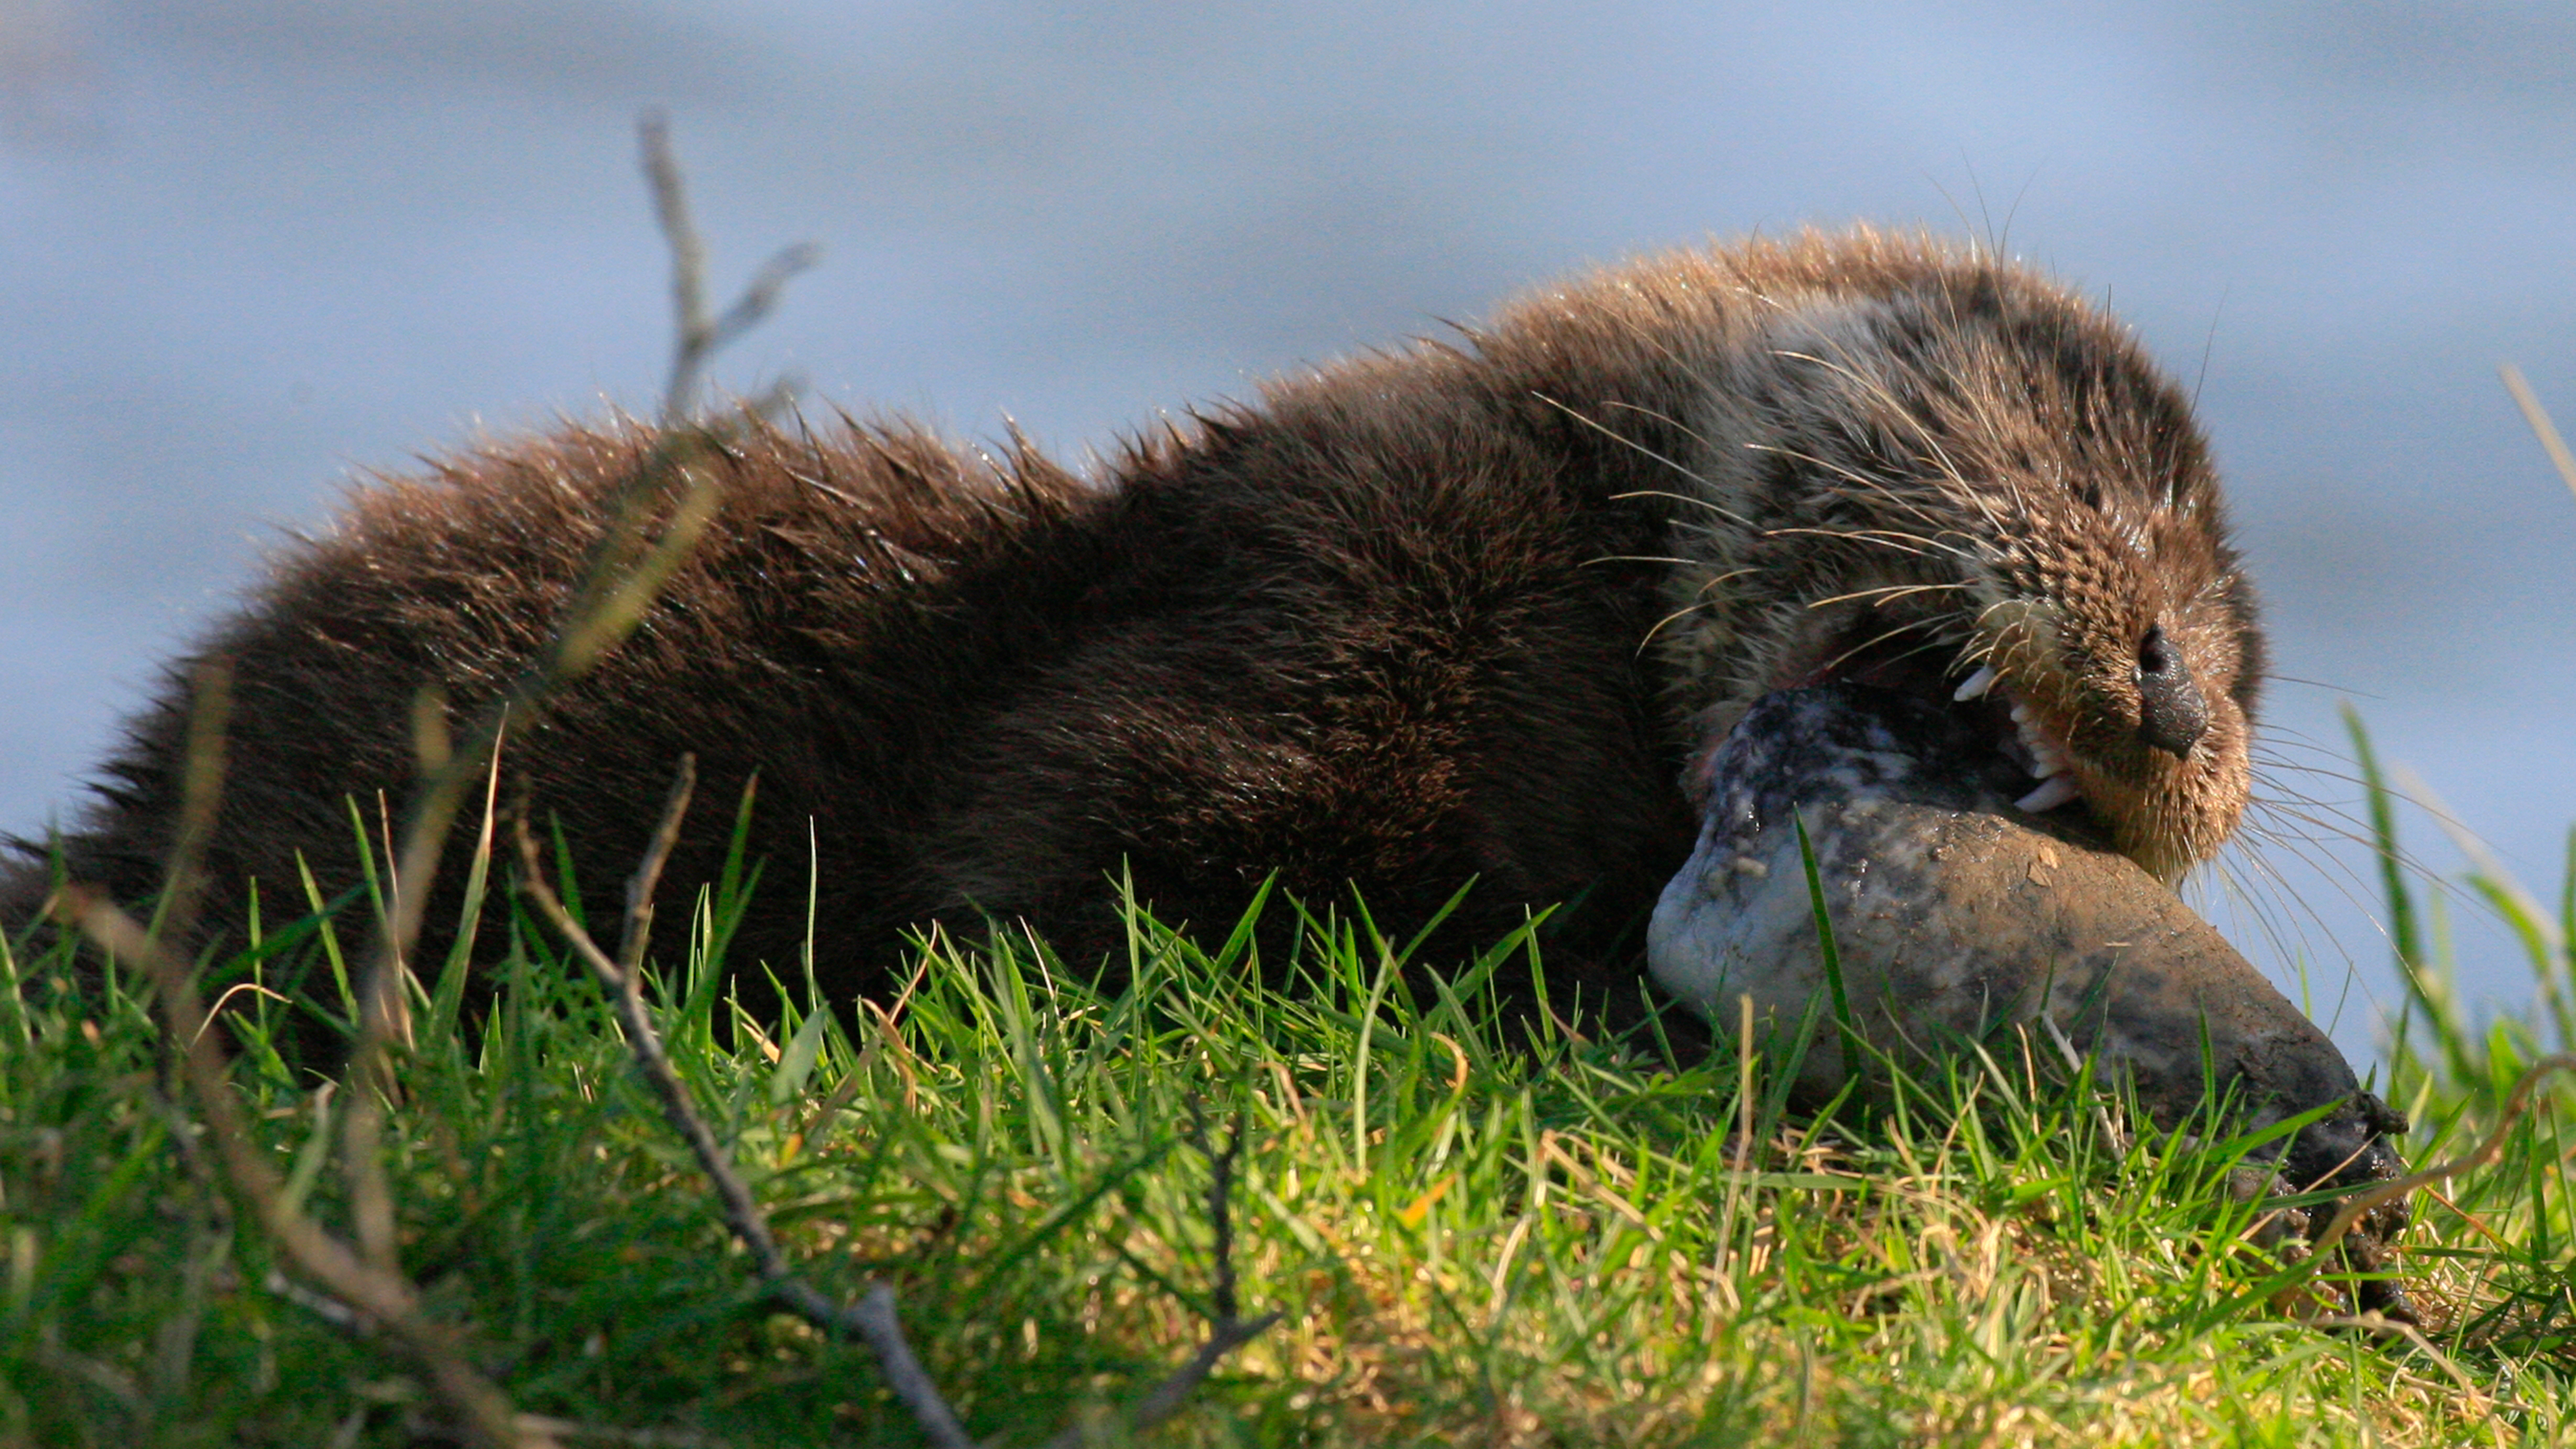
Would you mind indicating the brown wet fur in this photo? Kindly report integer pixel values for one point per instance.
(1408, 620)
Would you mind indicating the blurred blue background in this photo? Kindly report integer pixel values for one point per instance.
(253, 249)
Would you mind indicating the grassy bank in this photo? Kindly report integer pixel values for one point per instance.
(1475, 1230)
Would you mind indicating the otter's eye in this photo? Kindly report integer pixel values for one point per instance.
(2171, 713)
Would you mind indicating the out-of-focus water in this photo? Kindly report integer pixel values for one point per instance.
(251, 249)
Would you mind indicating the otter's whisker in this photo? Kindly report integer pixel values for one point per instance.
(1622, 439)
(1681, 613)
(1872, 487)
(1905, 543)
(1692, 499)
(1877, 391)
(1855, 651)
(1727, 577)
(2331, 823)
(1884, 593)
(2353, 889)
(2293, 929)
(1667, 419)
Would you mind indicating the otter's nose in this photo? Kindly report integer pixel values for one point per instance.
(2172, 716)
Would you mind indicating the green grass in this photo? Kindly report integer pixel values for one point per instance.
(1478, 1231)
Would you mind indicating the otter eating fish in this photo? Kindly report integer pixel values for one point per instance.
(1475, 610)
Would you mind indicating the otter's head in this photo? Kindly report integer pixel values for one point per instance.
(1967, 483)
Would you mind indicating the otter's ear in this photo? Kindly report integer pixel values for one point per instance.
(2253, 653)
(2172, 715)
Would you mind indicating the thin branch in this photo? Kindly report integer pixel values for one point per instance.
(1220, 1214)
(688, 262)
(201, 789)
(880, 1329)
(572, 1429)
(872, 1321)
(648, 875)
(619, 581)
(388, 1299)
(626, 569)
(624, 574)
(699, 335)
(2538, 419)
(625, 992)
(1165, 1399)
(760, 294)
(1226, 1331)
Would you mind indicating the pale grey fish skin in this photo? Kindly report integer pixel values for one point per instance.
(1957, 917)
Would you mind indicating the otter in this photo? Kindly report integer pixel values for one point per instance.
(1457, 614)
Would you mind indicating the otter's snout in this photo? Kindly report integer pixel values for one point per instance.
(2172, 715)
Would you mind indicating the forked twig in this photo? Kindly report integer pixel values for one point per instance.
(625, 571)
(1227, 1329)
(618, 583)
(700, 334)
(383, 1296)
(370, 1282)
(873, 1320)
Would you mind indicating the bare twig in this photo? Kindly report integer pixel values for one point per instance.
(383, 1296)
(362, 1280)
(625, 993)
(201, 789)
(619, 582)
(572, 1430)
(2538, 419)
(688, 260)
(624, 574)
(1220, 1209)
(877, 1326)
(626, 569)
(872, 1321)
(701, 335)
(648, 875)
(1227, 1331)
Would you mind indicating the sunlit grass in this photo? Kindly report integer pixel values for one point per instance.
(1480, 1229)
